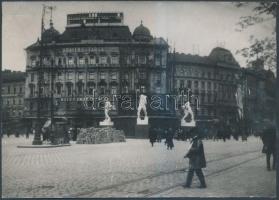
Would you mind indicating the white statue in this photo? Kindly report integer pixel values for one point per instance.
(142, 106)
(107, 121)
(187, 111)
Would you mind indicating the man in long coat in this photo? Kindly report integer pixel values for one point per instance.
(196, 162)
(269, 148)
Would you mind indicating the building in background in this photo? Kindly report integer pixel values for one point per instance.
(13, 101)
(212, 83)
(260, 96)
(95, 55)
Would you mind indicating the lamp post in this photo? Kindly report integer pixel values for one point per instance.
(37, 137)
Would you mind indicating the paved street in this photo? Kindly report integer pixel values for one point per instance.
(132, 169)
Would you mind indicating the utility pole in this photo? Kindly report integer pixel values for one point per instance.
(37, 137)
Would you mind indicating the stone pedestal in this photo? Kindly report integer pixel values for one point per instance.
(188, 124)
(106, 123)
(141, 131)
(142, 121)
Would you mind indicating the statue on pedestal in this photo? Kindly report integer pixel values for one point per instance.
(107, 121)
(187, 111)
(142, 106)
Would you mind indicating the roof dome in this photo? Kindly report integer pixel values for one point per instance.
(141, 33)
(222, 55)
(50, 34)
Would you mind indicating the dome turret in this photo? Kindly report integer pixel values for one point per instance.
(142, 33)
(50, 34)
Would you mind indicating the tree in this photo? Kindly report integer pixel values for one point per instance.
(259, 49)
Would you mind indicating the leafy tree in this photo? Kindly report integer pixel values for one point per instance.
(259, 49)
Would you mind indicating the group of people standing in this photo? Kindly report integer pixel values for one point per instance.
(157, 134)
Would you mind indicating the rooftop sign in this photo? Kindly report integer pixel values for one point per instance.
(95, 18)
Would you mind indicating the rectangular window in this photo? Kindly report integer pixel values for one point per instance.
(129, 60)
(14, 90)
(102, 76)
(80, 76)
(60, 76)
(203, 85)
(69, 88)
(158, 90)
(196, 84)
(125, 89)
(142, 75)
(142, 89)
(33, 62)
(113, 90)
(81, 61)
(92, 60)
(70, 76)
(157, 60)
(158, 78)
(164, 60)
(92, 75)
(126, 76)
(70, 61)
(209, 75)
(113, 76)
(189, 84)
(208, 85)
(103, 60)
(32, 77)
(114, 60)
(142, 59)
(181, 83)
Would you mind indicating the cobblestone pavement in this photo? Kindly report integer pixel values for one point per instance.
(132, 169)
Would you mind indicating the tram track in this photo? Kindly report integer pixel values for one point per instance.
(181, 170)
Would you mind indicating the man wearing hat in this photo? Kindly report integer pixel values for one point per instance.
(196, 160)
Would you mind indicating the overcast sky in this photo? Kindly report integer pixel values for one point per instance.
(192, 27)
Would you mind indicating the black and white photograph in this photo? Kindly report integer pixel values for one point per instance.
(124, 99)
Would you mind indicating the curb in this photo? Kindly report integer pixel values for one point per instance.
(43, 146)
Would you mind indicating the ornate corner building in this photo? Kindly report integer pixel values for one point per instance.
(95, 55)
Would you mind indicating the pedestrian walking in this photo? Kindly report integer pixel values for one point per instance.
(169, 138)
(159, 134)
(152, 136)
(269, 145)
(196, 162)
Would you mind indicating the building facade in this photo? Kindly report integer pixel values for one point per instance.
(97, 56)
(259, 98)
(211, 83)
(12, 101)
